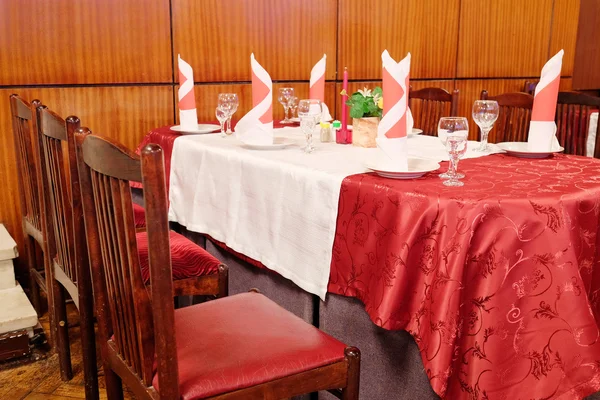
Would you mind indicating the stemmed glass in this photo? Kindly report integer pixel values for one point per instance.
(453, 126)
(229, 103)
(485, 114)
(222, 116)
(285, 94)
(293, 105)
(309, 112)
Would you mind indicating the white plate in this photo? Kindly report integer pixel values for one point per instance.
(417, 167)
(202, 128)
(519, 149)
(296, 120)
(278, 143)
(414, 132)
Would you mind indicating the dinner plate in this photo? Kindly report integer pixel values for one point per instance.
(519, 149)
(417, 167)
(414, 132)
(200, 129)
(278, 143)
(296, 120)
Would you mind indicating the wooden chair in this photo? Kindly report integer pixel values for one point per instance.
(31, 196)
(572, 121)
(195, 271)
(238, 347)
(514, 117)
(65, 242)
(433, 104)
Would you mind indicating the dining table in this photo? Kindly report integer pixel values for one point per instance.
(497, 281)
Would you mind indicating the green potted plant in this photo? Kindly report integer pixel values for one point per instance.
(366, 109)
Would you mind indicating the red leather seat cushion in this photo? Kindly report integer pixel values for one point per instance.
(187, 258)
(139, 216)
(244, 340)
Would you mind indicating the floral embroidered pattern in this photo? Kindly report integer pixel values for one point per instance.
(473, 273)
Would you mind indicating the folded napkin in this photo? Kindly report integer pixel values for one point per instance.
(317, 86)
(256, 127)
(397, 120)
(542, 130)
(188, 118)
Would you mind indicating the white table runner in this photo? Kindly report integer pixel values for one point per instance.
(591, 140)
(278, 207)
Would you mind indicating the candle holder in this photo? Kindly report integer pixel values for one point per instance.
(343, 136)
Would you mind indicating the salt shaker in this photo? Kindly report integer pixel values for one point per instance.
(325, 132)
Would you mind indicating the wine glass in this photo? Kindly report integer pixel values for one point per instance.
(229, 102)
(284, 98)
(485, 114)
(293, 105)
(446, 127)
(309, 112)
(222, 115)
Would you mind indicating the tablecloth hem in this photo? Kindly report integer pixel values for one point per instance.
(307, 286)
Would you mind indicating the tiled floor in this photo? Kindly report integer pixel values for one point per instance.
(41, 379)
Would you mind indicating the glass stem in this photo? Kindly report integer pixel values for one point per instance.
(229, 131)
(454, 166)
(222, 128)
(484, 139)
(451, 170)
(286, 110)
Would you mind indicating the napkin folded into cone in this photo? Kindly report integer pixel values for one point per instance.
(256, 127)
(188, 117)
(542, 130)
(397, 121)
(317, 86)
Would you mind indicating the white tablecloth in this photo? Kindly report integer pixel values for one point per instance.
(278, 207)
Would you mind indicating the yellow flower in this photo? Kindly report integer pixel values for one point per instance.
(343, 92)
(380, 103)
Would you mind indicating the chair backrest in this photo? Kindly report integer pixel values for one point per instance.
(514, 117)
(27, 161)
(433, 104)
(572, 121)
(60, 207)
(125, 314)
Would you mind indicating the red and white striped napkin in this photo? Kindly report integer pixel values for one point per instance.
(317, 86)
(397, 121)
(188, 117)
(256, 127)
(542, 130)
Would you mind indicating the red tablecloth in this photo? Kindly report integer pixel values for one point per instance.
(497, 281)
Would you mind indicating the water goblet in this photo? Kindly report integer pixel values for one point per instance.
(284, 98)
(446, 126)
(485, 114)
(456, 145)
(229, 102)
(222, 115)
(309, 112)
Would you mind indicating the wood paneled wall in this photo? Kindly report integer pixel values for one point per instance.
(113, 62)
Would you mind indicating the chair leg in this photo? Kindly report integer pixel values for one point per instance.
(114, 386)
(34, 288)
(350, 392)
(62, 331)
(223, 281)
(88, 344)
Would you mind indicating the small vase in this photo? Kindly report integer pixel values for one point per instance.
(364, 131)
